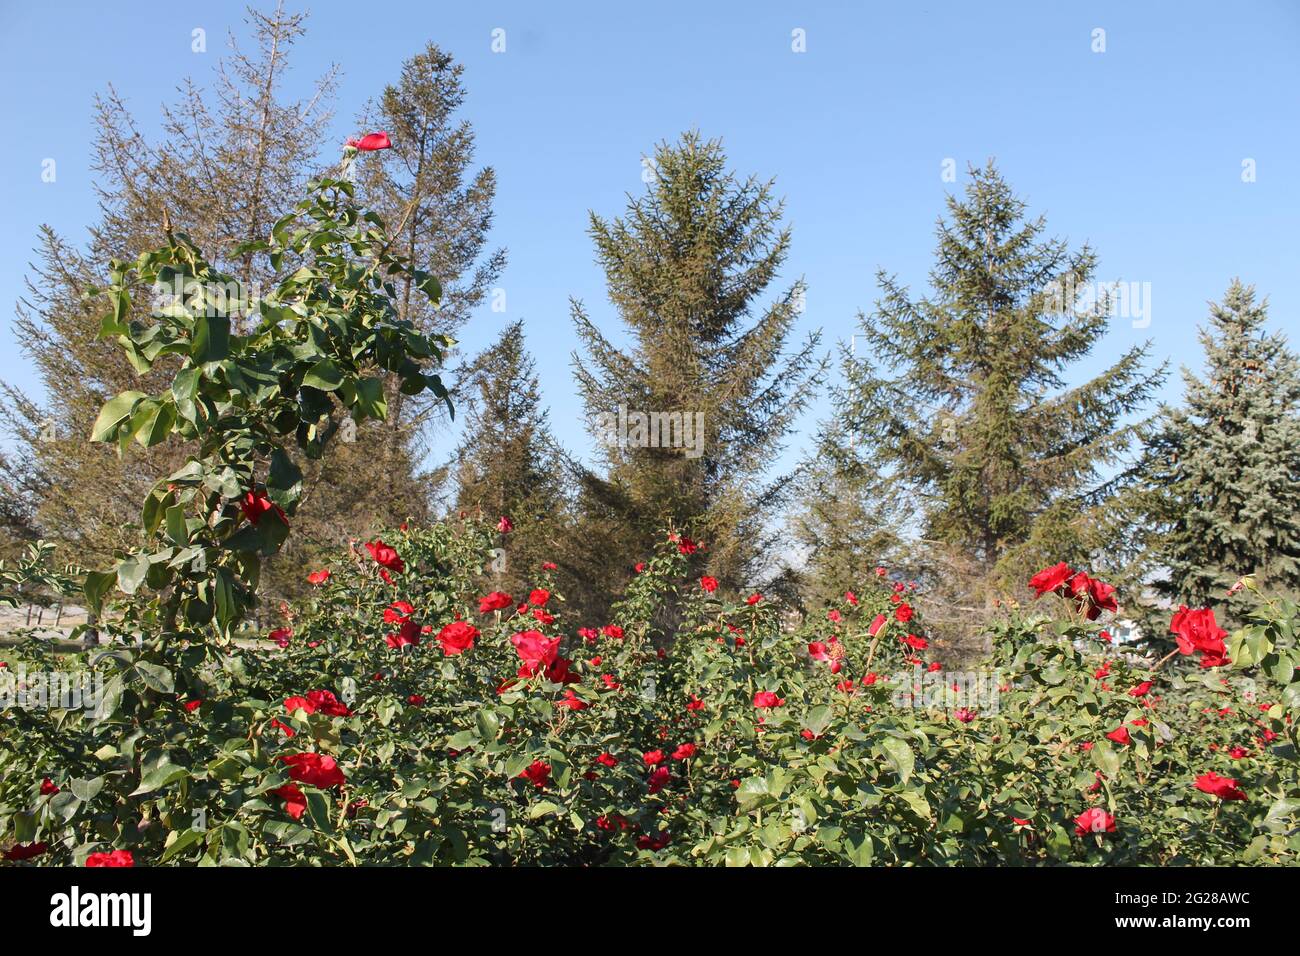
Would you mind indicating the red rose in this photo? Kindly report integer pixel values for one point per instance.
(494, 602)
(318, 577)
(1094, 820)
(48, 789)
(653, 758)
(612, 630)
(25, 851)
(684, 752)
(538, 772)
(535, 649)
(709, 584)
(281, 636)
(118, 858)
(1141, 690)
(457, 637)
(316, 769)
(295, 804)
(398, 612)
(256, 504)
(607, 760)
(659, 778)
(656, 842)
(505, 525)
(1050, 579)
(1198, 631)
(903, 612)
(539, 597)
(385, 556)
(764, 699)
(1120, 736)
(371, 142)
(753, 599)
(409, 633)
(572, 701)
(1225, 788)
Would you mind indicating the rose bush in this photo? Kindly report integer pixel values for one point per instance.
(410, 714)
(409, 719)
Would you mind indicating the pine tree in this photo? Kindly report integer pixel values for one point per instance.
(1225, 467)
(961, 395)
(507, 463)
(685, 268)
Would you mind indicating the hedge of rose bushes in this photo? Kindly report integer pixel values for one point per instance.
(410, 715)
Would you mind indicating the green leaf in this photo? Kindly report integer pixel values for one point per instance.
(86, 790)
(900, 757)
(96, 586)
(324, 375)
(371, 401)
(156, 677)
(131, 571)
(159, 777)
(114, 412)
(211, 341)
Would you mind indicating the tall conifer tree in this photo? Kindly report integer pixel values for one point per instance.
(686, 268)
(1225, 466)
(962, 395)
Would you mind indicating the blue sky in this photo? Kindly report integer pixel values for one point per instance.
(1137, 149)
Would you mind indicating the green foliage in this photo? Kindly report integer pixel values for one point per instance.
(961, 395)
(431, 747)
(686, 268)
(316, 348)
(1221, 498)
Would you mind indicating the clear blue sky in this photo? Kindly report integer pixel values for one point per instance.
(1138, 149)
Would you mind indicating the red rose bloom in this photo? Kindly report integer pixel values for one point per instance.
(256, 504)
(903, 612)
(1050, 579)
(1120, 736)
(1094, 820)
(457, 637)
(117, 858)
(316, 769)
(538, 773)
(765, 699)
(709, 584)
(371, 142)
(494, 602)
(1198, 631)
(1225, 788)
(25, 851)
(684, 752)
(295, 804)
(318, 577)
(385, 556)
(659, 778)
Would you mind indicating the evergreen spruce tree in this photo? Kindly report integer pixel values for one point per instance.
(685, 268)
(961, 396)
(1225, 467)
(507, 463)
